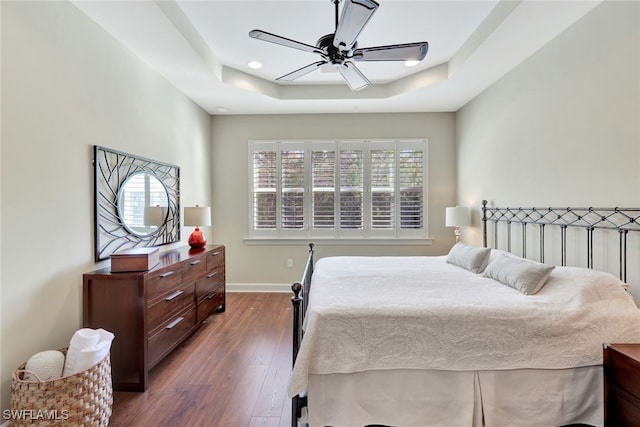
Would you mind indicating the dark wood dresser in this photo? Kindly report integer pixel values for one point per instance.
(622, 385)
(152, 312)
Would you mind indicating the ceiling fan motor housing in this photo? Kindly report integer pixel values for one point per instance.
(325, 43)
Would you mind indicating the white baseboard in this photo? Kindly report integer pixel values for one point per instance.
(258, 287)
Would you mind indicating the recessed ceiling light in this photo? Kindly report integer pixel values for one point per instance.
(411, 63)
(221, 109)
(254, 64)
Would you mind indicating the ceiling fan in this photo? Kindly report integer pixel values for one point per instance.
(341, 47)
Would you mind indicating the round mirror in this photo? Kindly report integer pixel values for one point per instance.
(142, 204)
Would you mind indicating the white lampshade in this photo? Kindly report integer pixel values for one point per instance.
(197, 216)
(154, 215)
(458, 216)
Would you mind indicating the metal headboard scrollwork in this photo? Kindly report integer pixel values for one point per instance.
(621, 220)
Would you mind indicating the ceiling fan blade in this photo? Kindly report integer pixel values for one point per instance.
(394, 52)
(283, 41)
(354, 78)
(355, 15)
(301, 71)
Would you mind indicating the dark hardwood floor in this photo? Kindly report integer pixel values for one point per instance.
(233, 371)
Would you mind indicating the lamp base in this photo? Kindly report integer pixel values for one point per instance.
(197, 239)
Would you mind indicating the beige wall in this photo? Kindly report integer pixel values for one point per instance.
(267, 264)
(562, 129)
(67, 85)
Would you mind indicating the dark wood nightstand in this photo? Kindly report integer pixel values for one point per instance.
(621, 385)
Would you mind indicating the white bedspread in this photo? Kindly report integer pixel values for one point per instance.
(376, 313)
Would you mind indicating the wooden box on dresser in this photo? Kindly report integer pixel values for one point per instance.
(621, 385)
(152, 312)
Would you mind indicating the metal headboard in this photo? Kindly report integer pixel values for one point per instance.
(622, 220)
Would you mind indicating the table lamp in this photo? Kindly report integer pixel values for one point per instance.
(199, 217)
(457, 217)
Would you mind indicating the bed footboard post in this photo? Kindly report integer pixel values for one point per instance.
(541, 242)
(484, 223)
(623, 254)
(306, 280)
(296, 301)
(299, 303)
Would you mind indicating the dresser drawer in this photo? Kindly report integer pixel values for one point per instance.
(162, 282)
(624, 372)
(622, 410)
(171, 334)
(210, 303)
(215, 259)
(209, 283)
(194, 269)
(171, 303)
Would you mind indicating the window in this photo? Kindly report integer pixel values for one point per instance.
(340, 189)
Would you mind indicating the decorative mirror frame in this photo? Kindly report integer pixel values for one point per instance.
(111, 170)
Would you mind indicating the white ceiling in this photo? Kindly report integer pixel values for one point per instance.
(203, 47)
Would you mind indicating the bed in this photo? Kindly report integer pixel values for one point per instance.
(432, 341)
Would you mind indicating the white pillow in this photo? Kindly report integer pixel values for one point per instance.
(47, 365)
(469, 257)
(524, 275)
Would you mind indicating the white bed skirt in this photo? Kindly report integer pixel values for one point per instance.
(417, 398)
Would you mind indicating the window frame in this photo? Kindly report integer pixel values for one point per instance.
(367, 232)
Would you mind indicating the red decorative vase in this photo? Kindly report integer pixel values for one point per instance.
(197, 239)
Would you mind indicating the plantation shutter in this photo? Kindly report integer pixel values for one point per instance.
(411, 176)
(351, 171)
(264, 189)
(338, 189)
(383, 179)
(292, 184)
(323, 163)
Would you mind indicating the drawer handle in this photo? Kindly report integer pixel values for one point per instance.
(167, 274)
(215, 254)
(174, 295)
(174, 323)
(212, 295)
(212, 274)
(196, 262)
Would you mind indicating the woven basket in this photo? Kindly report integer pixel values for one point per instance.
(82, 399)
